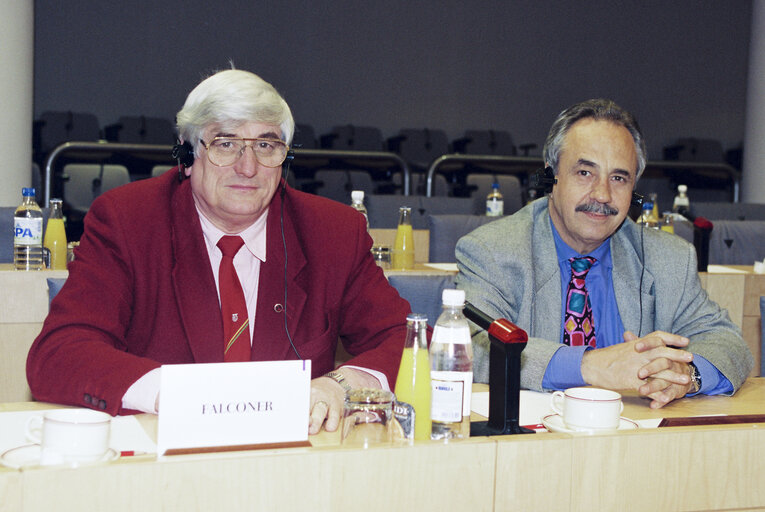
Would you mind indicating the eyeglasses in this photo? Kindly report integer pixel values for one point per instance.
(225, 151)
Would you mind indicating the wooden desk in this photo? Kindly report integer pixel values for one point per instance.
(677, 468)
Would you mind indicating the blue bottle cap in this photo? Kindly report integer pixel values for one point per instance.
(27, 191)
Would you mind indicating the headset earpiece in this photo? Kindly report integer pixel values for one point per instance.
(637, 200)
(184, 155)
(543, 179)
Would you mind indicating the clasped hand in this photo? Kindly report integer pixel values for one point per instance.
(649, 365)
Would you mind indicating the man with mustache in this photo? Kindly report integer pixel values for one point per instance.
(605, 302)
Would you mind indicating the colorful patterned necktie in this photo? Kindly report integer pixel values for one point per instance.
(236, 324)
(578, 328)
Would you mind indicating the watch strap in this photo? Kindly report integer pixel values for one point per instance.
(695, 378)
(338, 377)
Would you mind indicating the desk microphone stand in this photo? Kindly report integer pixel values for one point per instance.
(507, 342)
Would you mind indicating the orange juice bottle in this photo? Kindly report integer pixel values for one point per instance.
(55, 236)
(413, 381)
(403, 248)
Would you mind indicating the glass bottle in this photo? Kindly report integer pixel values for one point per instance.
(667, 223)
(403, 247)
(413, 381)
(681, 203)
(55, 236)
(357, 203)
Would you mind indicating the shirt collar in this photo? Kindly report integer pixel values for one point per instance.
(254, 236)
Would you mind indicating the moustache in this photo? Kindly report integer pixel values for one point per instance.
(598, 208)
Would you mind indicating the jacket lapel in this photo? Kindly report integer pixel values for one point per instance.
(269, 339)
(547, 289)
(628, 262)
(193, 280)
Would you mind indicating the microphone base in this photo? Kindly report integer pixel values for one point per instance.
(483, 429)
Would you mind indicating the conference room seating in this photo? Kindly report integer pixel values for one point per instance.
(304, 137)
(85, 182)
(160, 169)
(55, 128)
(728, 211)
(423, 292)
(419, 147)
(446, 230)
(383, 209)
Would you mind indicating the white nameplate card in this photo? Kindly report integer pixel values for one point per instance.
(223, 406)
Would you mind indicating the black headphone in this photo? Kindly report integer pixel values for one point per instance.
(184, 155)
(544, 179)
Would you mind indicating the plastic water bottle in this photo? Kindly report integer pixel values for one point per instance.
(647, 216)
(357, 203)
(28, 233)
(681, 204)
(413, 381)
(451, 370)
(495, 205)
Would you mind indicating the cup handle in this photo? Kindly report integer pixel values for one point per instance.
(34, 429)
(554, 399)
(621, 408)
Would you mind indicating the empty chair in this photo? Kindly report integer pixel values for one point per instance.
(445, 230)
(141, 130)
(338, 184)
(85, 182)
(383, 209)
(728, 211)
(485, 142)
(693, 149)
(55, 128)
(353, 138)
(509, 186)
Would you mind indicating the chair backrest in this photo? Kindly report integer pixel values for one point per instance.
(509, 186)
(446, 230)
(383, 209)
(88, 181)
(160, 169)
(58, 127)
(145, 130)
(423, 292)
(354, 138)
(304, 137)
(419, 147)
(488, 142)
(728, 211)
(735, 242)
(337, 184)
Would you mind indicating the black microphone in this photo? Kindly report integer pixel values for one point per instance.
(702, 229)
(507, 341)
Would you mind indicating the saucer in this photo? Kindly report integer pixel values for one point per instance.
(554, 423)
(29, 456)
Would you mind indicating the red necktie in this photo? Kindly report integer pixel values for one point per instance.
(236, 324)
(578, 328)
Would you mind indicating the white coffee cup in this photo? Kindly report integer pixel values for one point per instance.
(588, 408)
(70, 436)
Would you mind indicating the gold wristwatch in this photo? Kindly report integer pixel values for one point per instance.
(338, 377)
(695, 379)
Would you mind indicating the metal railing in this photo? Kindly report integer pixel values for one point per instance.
(524, 166)
(303, 157)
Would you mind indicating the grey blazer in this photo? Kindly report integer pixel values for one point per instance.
(509, 269)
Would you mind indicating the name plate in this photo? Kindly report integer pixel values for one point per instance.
(224, 406)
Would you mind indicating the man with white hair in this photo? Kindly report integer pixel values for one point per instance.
(230, 264)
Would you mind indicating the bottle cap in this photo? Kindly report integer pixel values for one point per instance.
(647, 205)
(416, 317)
(495, 185)
(27, 191)
(682, 188)
(452, 297)
(357, 195)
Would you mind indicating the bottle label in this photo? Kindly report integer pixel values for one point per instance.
(27, 231)
(495, 208)
(452, 335)
(451, 393)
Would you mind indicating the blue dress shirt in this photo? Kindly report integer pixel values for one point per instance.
(565, 367)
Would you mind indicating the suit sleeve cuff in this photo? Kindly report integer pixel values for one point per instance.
(712, 381)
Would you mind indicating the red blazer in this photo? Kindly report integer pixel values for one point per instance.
(141, 293)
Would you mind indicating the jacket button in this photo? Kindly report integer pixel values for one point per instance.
(102, 404)
(278, 308)
(87, 398)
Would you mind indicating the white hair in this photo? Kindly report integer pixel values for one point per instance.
(229, 99)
